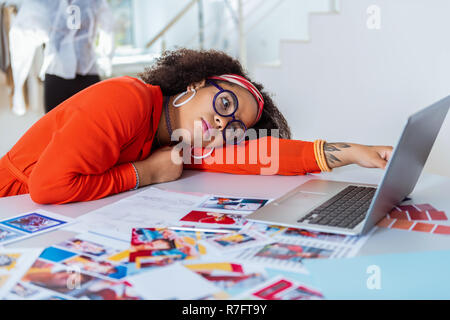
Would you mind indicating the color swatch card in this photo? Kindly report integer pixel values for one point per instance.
(416, 226)
(30, 224)
(408, 276)
(423, 212)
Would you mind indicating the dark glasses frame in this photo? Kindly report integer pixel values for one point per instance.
(232, 115)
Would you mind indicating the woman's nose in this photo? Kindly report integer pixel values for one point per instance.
(220, 123)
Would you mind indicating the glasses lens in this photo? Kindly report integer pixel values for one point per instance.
(226, 103)
(235, 132)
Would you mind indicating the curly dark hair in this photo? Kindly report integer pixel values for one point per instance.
(175, 70)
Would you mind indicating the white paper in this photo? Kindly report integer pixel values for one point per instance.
(174, 282)
(152, 207)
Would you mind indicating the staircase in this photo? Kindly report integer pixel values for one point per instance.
(351, 83)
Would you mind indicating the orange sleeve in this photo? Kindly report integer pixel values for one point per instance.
(80, 161)
(259, 157)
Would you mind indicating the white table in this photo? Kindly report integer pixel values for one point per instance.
(430, 189)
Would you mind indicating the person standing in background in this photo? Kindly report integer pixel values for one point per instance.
(79, 43)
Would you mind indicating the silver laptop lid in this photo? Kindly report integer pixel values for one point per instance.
(407, 161)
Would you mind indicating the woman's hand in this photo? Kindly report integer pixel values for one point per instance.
(164, 165)
(342, 154)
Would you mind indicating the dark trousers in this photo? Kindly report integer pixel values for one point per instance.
(57, 90)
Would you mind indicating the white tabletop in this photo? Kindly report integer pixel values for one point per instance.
(430, 189)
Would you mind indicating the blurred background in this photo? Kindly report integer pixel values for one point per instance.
(341, 70)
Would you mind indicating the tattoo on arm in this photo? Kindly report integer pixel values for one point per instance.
(330, 148)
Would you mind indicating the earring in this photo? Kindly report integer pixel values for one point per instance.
(182, 95)
(202, 157)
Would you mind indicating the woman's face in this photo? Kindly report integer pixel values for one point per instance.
(199, 118)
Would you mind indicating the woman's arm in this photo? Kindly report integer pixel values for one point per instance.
(343, 154)
(265, 156)
(294, 157)
(80, 162)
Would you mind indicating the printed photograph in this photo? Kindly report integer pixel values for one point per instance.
(8, 261)
(300, 293)
(287, 290)
(155, 247)
(106, 290)
(87, 247)
(32, 223)
(55, 277)
(230, 277)
(7, 235)
(23, 291)
(292, 232)
(104, 268)
(214, 218)
(233, 204)
(292, 252)
(3, 279)
(233, 240)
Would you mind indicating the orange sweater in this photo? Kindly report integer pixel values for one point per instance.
(83, 149)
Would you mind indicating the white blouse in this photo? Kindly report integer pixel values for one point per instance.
(78, 37)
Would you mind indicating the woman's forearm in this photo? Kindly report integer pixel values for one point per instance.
(339, 154)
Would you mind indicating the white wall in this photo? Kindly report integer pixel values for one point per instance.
(353, 84)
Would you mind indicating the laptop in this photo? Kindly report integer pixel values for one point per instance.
(354, 208)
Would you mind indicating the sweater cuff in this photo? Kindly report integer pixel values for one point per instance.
(311, 162)
(126, 171)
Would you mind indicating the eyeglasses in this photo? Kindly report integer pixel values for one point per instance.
(226, 105)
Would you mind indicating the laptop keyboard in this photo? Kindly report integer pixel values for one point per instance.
(345, 210)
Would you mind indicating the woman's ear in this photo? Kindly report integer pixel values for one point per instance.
(197, 86)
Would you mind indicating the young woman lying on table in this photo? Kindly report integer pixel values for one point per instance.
(124, 133)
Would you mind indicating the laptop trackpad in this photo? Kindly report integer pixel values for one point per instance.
(305, 200)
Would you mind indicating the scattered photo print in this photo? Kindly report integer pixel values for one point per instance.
(233, 204)
(292, 252)
(230, 277)
(233, 240)
(154, 247)
(32, 223)
(268, 230)
(87, 247)
(8, 260)
(7, 234)
(23, 291)
(214, 218)
(3, 279)
(292, 232)
(90, 265)
(55, 277)
(106, 290)
(284, 289)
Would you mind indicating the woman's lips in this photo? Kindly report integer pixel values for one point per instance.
(206, 128)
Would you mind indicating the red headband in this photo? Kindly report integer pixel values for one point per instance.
(241, 81)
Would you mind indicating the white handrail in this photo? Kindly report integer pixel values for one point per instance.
(171, 23)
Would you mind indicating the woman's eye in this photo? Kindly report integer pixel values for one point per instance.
(225, 103)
